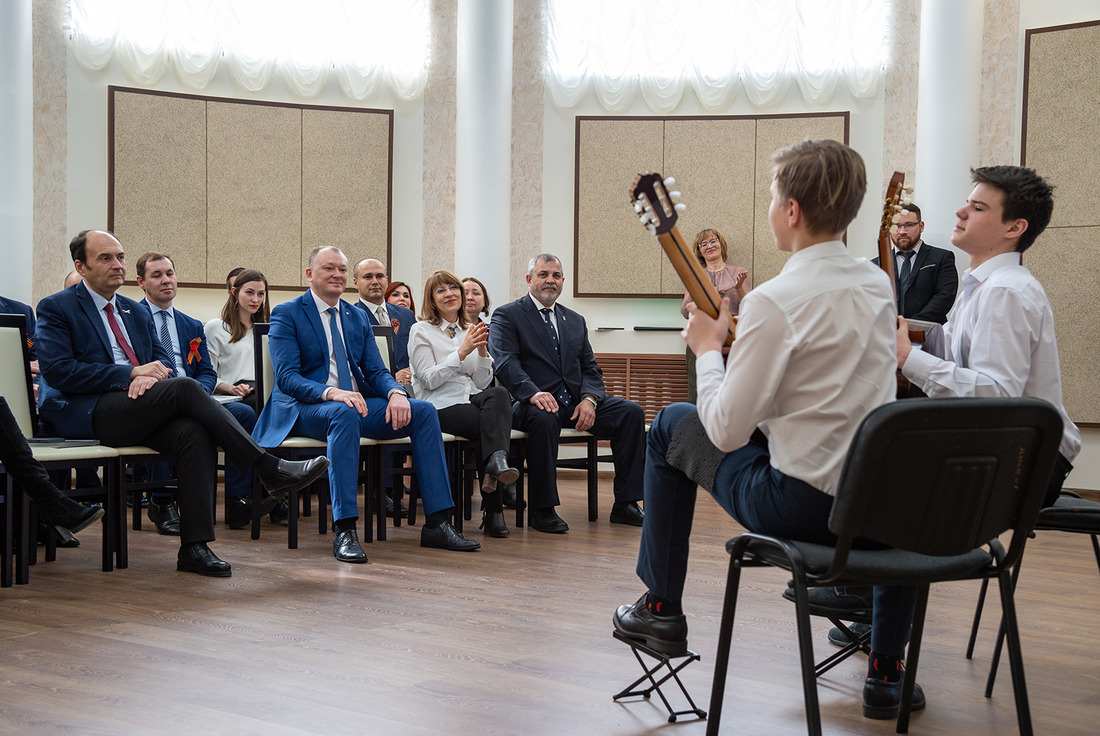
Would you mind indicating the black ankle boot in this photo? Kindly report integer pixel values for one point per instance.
(492, 516)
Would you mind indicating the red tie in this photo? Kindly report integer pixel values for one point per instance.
(130, 356)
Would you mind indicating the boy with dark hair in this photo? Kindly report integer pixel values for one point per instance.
(1000, 340)
(814, 355)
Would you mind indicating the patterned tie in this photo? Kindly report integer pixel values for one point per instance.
(165, 336)
(119, 337)
(550, 327)
(903, 279)
(342, 373)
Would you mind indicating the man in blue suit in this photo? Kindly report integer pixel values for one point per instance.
(184, 338)
(110, 379)
(331, 384)
(11, 306)
(544, 359)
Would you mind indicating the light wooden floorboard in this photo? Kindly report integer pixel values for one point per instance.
(513, 639)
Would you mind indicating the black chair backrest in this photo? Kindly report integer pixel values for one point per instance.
(265, 379)
(15, 378)
(945, 476)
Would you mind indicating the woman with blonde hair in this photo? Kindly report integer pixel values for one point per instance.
(452, 369)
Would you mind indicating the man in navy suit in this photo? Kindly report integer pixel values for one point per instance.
(110, 379)
(331, 384)
(184, 338)
(371, 282)
(544, 359)
(11, 306)
(930, 280)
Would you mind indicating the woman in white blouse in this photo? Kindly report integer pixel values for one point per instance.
(452, 368)
(230, 338)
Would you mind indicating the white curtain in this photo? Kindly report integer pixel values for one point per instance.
(359, 44)
(618, 49)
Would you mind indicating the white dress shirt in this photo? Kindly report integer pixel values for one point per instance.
(177, 353)
(438, 375)
(117, 354)
(232, 361)
(333, 375)
(999, 342)
(553, 313)
(814, 354)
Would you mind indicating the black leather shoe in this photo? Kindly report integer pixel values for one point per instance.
(493, 524)
(627, 512)
(280, 513)
(390, 507)
(198, 558)
(497, 465)
(292, 475)
(838, 601)
(346, 547)
(840, 639)
(69, 524)
(165, 516)
(508, 495)
(238, 510)
(667, 634)
(882, 699)
(62, 537)
(547, 520)
(445, 536)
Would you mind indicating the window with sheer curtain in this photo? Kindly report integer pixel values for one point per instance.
(618, 49)
(359, 44)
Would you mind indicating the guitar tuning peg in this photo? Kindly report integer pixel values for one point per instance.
(652, 229)
(893, 229)
(674, 195)
(908, 189)
(644, 219)
(896, 218)
(638, 207)
(679, 207)
(669, 181)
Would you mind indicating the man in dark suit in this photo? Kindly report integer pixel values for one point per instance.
(926, 277)
(109, 378)
(331, 384)
(184, 338)
(371, 282)
(11, 306)
(544, 359)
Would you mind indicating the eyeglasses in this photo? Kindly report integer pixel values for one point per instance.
(712, 241)
(908, 225)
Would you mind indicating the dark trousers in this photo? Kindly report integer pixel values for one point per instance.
(486, 420)
(178, 418)
(619, 420)
(238, 480)
(761, 499)
(25, 471)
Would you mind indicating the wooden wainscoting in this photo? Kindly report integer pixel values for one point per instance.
(652, 380)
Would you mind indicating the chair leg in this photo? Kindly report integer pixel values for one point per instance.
(806, 654)
(1096, 550)
(1015, 656)
(977, 618)
(913, 659)
(996, 661)
(593, 479)
(722, 656)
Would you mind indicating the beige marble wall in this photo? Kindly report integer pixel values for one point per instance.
(51, 255)
(899, 145)
(528, 40)
(997, 142)
(440, 120)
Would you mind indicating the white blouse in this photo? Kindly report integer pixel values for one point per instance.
(232, 361)
(438, 375)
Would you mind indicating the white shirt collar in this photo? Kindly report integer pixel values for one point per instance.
(540, 306)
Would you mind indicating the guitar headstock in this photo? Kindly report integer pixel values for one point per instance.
(897, 197)
(654, 202)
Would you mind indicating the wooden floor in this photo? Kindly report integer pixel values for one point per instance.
(513, 639)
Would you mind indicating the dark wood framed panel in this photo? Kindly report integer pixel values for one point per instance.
(1061, 124)
(722, 165)
(220, 183)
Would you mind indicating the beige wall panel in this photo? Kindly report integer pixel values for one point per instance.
(615, 255)
(254, 178)
(771, 135)
(1064, 261)
(345, 183)
(160, 180)
(714, 164)
(1063, 124)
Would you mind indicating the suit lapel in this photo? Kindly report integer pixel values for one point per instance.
(138, 343)
(88, 306)
(313, 317)
(538, 326)
(354, 342)
(918, 263)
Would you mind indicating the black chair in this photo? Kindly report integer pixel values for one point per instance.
(977, 468)
(1070, 513)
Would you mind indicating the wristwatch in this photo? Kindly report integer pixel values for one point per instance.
(590, 397)
(397, 391)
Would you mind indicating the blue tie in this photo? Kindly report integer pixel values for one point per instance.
(903, 280)
(166, 336)
(550, 327)
(342, 372)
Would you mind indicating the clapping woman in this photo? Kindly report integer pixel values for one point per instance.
(452, 369)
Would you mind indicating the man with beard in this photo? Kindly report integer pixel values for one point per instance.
(926, 277)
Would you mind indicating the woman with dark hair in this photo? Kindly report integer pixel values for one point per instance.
(732, 281)
(477, 300)
(399, 293)
(229, 338)
(452, 369)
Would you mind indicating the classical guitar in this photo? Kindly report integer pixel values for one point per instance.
(658, 212)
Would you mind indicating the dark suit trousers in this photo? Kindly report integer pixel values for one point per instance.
(178, 418)
(28, 473)
(619, 420)
(486, 420)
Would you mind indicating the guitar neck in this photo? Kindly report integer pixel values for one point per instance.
(691, 273)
